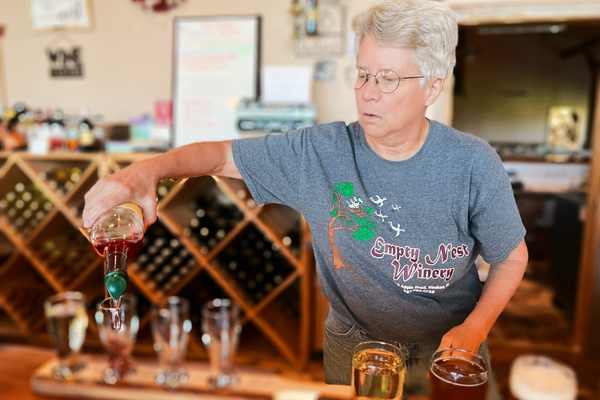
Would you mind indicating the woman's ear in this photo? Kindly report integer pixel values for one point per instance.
(433, 90)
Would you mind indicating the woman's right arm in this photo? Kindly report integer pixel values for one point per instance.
(137, 182)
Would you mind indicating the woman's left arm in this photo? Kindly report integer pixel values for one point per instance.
(501, 284)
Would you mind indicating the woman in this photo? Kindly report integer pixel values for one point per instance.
(399, 206)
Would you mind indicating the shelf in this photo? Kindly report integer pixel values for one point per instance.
(268, 245)
(75, 201)
(64, 252)
(256, 350)
(22, 205)
(22, 296)
(8, 327)
(285, 224)
(163, 264)
(281, 323)
(238, 192)
(60, 176)
(164, 187)
(203, 213)
(254, 264)
(3, 163)
(7, 253)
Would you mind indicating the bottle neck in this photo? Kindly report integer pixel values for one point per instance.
(115, 260)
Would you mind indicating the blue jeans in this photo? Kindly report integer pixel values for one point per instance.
(340, 338)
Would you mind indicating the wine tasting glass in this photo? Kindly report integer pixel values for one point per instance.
(118, 326)
(171, 326)
(221, 330)
(378, 370)
(67, 322)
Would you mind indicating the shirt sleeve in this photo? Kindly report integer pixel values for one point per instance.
(271, 166)
(494, 218)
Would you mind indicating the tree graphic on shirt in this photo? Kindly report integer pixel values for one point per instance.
(358, 219)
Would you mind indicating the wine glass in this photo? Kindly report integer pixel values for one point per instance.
(171, 326)
(378, 370)
(118, 338)
(221, 329)
(67, 322)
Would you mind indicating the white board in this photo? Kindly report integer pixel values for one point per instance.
(216, 63)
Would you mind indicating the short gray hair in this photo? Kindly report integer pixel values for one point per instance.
(428, 27)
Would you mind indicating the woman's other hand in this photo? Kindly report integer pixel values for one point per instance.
(464, 337)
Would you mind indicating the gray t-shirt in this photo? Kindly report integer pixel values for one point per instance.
(394, 241)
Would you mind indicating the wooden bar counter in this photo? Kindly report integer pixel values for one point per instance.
(26, 372)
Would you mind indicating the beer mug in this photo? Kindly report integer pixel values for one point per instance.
(458, 374)
(378, 370)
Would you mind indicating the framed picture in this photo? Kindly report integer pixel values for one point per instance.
(56, 14)
(566, 128)
(216, 63)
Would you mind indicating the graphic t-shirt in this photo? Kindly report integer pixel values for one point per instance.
(394, 241)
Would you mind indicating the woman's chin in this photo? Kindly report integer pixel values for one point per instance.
(372, 129)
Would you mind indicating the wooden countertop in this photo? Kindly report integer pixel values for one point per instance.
(17, 364)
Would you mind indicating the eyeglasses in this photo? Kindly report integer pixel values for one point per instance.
(386, 80)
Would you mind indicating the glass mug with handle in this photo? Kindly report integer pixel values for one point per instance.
(378, 370)
(458, 374)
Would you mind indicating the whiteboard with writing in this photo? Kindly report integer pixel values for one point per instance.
(215, 64)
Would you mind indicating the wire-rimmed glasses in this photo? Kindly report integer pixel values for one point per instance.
(386, 80)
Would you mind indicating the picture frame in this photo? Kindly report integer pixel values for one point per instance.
(61, 14)
(566, 128)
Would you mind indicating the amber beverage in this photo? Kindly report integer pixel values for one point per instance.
(458, 374)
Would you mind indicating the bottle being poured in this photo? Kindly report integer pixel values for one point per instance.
(115, 235)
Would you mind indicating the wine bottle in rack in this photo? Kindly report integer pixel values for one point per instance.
(62, 179)
(22, 206)
(212, 221)
(255, 264)
(164, 187)
(163, 261)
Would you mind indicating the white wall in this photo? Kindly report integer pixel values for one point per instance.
(127, 56)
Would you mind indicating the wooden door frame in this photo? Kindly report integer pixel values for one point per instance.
(490, 12)
(589, 274)
(3, 95)
(484, 12)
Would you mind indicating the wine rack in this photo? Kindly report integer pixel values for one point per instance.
(23, 206)
(67, 255)
(22, 295)
(254, 263)
(163, 263)
(210, 240)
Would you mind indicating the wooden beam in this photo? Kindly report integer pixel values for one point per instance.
(591, 242)
(482, 12)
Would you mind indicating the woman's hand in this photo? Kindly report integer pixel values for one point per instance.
(135, 183)
(463, 336)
